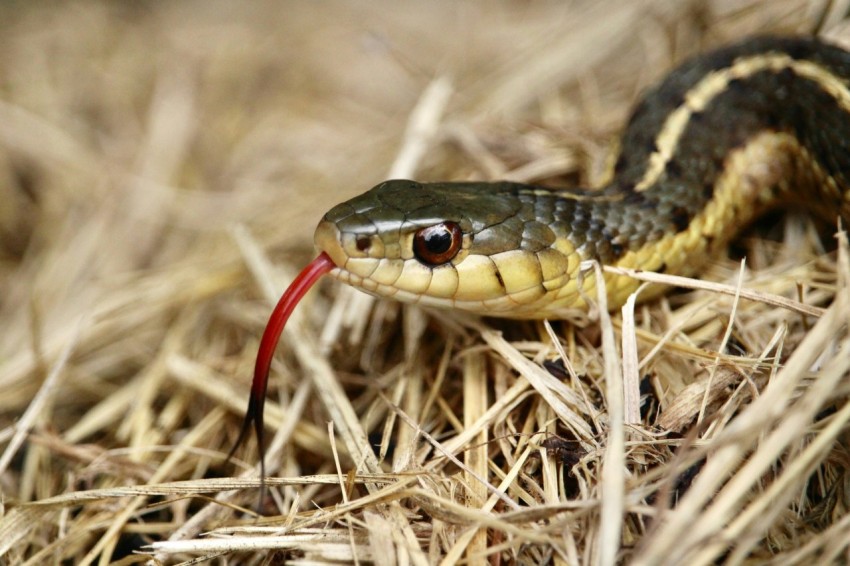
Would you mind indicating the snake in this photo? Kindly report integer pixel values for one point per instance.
(725, 137)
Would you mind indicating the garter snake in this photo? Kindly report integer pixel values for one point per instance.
(726, 136)
(723, 138)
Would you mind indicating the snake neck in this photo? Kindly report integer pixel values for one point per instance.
(745, 129)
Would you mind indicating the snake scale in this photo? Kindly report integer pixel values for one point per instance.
(725, 137)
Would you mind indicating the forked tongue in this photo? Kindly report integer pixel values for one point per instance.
(254, 413)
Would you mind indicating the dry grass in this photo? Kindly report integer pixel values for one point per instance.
(162, 166)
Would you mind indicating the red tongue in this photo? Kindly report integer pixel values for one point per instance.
(254, 413)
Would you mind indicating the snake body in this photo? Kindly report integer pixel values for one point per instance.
(723, 138)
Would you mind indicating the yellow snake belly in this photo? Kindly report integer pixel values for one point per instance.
(723, 138)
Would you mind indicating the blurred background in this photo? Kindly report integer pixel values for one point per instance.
(135, 137)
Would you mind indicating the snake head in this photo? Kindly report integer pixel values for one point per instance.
(465, 245)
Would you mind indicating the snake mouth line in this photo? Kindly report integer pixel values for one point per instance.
(505, 303)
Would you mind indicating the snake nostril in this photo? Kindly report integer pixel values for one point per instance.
(363, 243)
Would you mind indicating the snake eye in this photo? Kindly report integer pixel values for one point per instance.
(438, 244)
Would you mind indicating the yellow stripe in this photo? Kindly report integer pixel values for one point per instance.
(714, 84)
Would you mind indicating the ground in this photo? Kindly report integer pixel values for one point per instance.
(162, 167)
